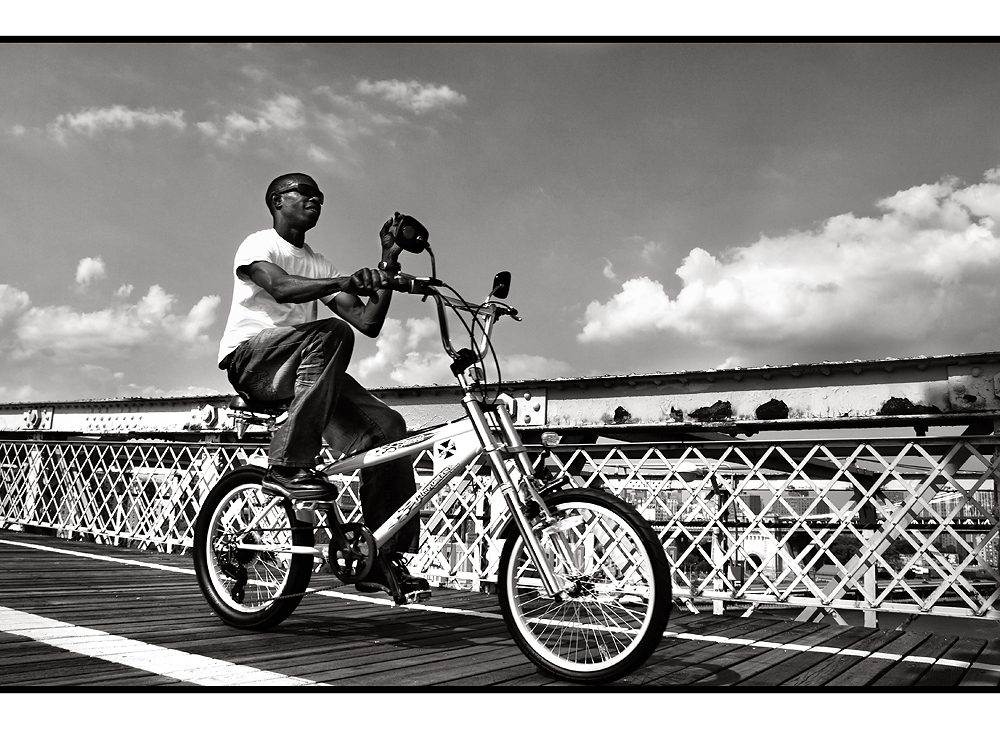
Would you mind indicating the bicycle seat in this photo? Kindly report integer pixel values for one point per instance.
(265, 407)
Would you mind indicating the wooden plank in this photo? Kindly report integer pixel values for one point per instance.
(474, 671)
(365, 656)
(497, 672)
(668, 657)
(871, 668)
(867, 640)
(74, 670)
(963, 650)
(536, 679)
(715, 656)
(990, 656)
(748, 661)
(907, 673)
(831, 636)
(417, 668)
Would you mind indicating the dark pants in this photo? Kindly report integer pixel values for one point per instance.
(307, 363)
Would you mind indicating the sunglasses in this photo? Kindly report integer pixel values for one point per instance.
(305, 190)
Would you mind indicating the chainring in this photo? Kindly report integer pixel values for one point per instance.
(355, 562)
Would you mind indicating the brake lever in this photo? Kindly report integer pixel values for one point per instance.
(511, 312)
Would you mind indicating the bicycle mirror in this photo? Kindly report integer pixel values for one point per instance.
(501, 285)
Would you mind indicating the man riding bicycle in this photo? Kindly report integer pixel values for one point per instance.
(276, 348)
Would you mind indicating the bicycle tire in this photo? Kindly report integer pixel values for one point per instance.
(623, 597)
(259, 602)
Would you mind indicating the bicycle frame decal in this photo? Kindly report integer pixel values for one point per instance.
(462, 452)
(409, 446)
(393, 447)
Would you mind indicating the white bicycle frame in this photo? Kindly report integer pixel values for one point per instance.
(484, 429)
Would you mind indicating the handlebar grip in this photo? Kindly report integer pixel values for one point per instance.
(413, 285)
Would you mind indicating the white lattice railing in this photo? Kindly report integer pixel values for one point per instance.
(895, 525)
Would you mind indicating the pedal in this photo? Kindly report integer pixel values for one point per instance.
(417, 596)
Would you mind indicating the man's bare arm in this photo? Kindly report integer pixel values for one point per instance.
(366, 318)
(286, 288)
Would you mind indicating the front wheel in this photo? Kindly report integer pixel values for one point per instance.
(245, 554)
(616, 598)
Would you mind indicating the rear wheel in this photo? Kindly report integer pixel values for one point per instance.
(617, 593)
(243, 552)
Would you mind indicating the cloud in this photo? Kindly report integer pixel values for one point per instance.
(609, 271)
(89, 269)
(920, 278)
(324, 129)
(282, 114)
(651, 250)
(256, 74)
(62, 334)
(532, 367)
(412, 95)
(21, 393)
(58, 351)
(13, 303)
(322, 134)
(91, 122)
(410, 354)
(399, 358)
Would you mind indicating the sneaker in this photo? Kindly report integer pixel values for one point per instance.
(389, 574)
(298, 484)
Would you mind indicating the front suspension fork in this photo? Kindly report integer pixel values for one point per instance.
(552, 584)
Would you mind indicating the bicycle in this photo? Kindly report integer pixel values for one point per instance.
(583, 583)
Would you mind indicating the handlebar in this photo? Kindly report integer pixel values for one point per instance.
(427, 286)
(489, 313)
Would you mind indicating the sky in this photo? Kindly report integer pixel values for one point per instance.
(661, 206)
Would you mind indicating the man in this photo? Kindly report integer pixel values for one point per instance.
(276, 348)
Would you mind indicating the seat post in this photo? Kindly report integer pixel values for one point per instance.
(247, 412)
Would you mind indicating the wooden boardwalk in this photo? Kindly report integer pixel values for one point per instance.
(93, 616)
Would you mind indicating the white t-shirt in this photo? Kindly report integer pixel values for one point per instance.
(253, 308)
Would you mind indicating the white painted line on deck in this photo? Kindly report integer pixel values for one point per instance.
(765, 644)
(954, 664)
(390, 603)
(495, 616)
(987, 667)
(101, 558)
(822, 649)
(167, 662)
(854, 652)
